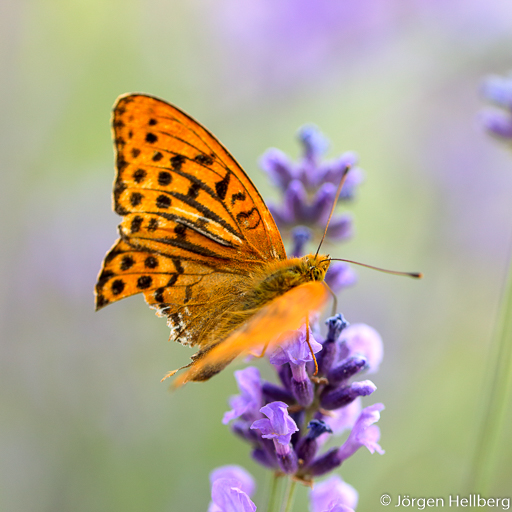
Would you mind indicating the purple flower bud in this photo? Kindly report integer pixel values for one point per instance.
(250, 400)
(228, 497)
(301, 235)
(332, 492)
(498, 90)
(335, 325)
(361, 339)
(278, 167)
(333, 171)
(274, 393)
(295, 202)
(346, 369)
(339, 397)
(327, 356)
(497, 123)
(262, 456)
(307, 447)
(321, 205)
(340, 276)
(314, 142)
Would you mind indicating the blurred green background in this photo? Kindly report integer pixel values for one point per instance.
(85, 424)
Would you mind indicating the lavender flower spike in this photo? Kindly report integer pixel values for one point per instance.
(279, 427)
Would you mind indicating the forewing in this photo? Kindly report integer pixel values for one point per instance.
(181, 192)
(284, 313)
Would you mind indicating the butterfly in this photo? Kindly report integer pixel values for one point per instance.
(198, 241)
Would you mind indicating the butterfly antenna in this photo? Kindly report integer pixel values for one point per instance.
(415, 275)
(340, 186)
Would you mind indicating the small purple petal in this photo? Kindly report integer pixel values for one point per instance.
(250, 399)
(339, 508)
(280, 215)
(497, 123)
(344, 418)
(498, 90)
(228, 497)
(314, 142)
(331, 492)
(340, 276)
(346, 369)
(340, 397)
(295, 202)
(278, 426)
(293, 348)
(321, 206)
(301, 235)
(363, 433)
(366, 341)
(333, 170)
(234, 472)
(340, 228)
(278, 167)
(274, 393)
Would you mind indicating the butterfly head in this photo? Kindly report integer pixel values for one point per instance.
(316, 266)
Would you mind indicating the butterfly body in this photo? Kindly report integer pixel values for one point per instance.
(198, 241)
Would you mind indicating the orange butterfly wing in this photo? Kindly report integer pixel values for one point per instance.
(193, 223)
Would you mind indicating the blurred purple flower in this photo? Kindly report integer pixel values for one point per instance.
(498, 122)
(245, 481)
(309, 188)
(227, 496)
(330, 493)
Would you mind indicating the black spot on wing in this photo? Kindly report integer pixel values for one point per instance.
(117, 286)
(164, 178)
(151, 138)
(163, 201)
(135, 152)
(151, 262)
(139, 175)
(177, 161)
(221, 187)
(157, 156)
(126, 263)
(144, 282)
(238, 196)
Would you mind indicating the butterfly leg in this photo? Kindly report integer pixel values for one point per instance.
(310, 347)
(262, 353)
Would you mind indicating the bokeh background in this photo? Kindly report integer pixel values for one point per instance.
(85, 424)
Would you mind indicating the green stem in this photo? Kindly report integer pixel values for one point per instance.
(289, 496)
(273, 497)
(497, 397)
